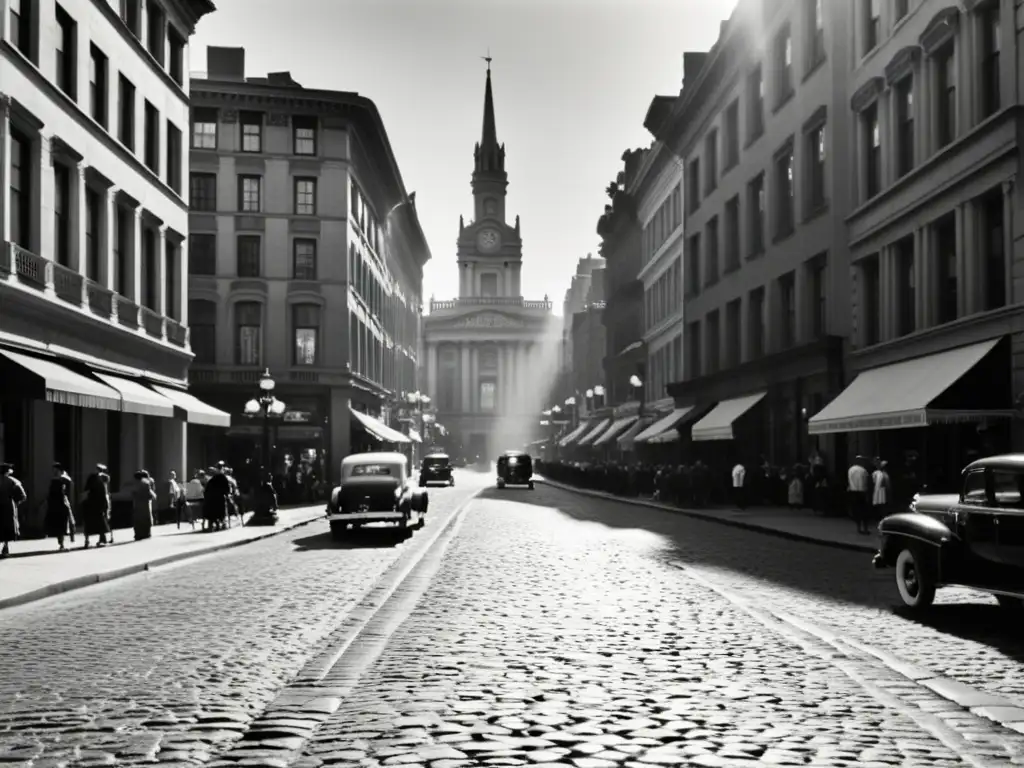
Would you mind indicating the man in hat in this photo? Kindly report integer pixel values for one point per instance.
(12, 494)
(859, 493)
(96, 506)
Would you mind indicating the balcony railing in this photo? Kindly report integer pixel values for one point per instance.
(489, 301)
(70, 287)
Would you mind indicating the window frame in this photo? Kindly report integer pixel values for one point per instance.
(248, 255)
(295, 309)
(310, 271)
(299, 207)
(242, 179)
(239, 325)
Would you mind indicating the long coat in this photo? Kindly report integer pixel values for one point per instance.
(60, 519)
(215, 498)
(143, 496)
(12, 493)
(96, 505)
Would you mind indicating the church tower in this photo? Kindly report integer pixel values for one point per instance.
(489, 250)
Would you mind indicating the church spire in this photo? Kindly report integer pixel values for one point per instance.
(489, 155)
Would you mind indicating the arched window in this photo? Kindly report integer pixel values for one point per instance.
(306, 327)
(248, 332)
(202, 319)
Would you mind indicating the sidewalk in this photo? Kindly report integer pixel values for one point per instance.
(36, 570)
(796, 524)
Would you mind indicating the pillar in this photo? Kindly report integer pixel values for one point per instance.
(5, 163)
(340, 425)
(500, 386)
(93, 441)
(923, 295)
(182, 296)
(801, 300)
(133, 444)
(173, 441)
(108, 258)
(42, 213)
(1009, 254)
(161, 272)
(134, 280)
(966, 273)
(474, 377)
(464, 391)
(968, 75)
(432, 378)
(77, 241)
(509, 381)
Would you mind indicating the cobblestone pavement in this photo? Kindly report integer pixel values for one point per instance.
(545, 640)
(178, 661)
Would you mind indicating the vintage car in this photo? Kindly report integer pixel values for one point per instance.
(376, 488)
(973, 539)
(436, 468)
(515, 468)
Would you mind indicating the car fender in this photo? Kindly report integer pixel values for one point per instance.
(419, 500)
(896, 530)
(332, 503)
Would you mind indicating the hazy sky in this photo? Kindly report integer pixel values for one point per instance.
(572, 81)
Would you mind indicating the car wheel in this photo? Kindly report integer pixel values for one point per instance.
(337, 531)
(1011, 604)
(914, 578)
(531, 485)
(501, 484)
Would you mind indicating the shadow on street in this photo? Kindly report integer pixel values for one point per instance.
(366, 538)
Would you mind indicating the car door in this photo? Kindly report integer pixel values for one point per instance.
(976, 517)
(1008, 489)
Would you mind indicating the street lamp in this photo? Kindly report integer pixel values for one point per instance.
(599, 391)
(267, 406)
(637, 384)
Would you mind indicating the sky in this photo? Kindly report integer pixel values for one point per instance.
(572, 82)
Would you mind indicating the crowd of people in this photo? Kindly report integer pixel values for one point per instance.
(211, 496)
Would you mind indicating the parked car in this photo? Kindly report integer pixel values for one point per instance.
(436, 468)
(515, 468)
(973, 539)
(376, 488)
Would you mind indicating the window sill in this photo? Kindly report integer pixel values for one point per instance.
(754, 255)
(784, 234)
(814, 67)
(784, 99)
(752, 139)
(815, 211)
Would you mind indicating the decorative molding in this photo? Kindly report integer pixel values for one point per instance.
(278, 118)
(489, 320)
(250, 224)
(867, 94)
(787, 146)
(255, 286)
(229, 115)
(940, 30)
(902, 63)
(817, 119)
(5, 105)
(60, 148)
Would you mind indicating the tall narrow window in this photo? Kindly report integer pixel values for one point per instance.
(872, 137)
(98, 85)
(306, 321)
(249, 188)
(818, 303)
(204, 128)
(304, 259)
(126, 112)
(945, 263)
(816, 169)
(130, 15)
(61, 212)
(156, 32)
(990, 49)
(693, 270)
(787, 301)
(872, 24)
(305, 197)
(731, 142)
(151, 150)
(711, 161)
(252, 131)
(304, 134)
(784, 193)
(248, 254)
(714, 343)
(900, 9)
(711, 252)
(945, 101)
(757, 325)
(783, 66)
(906, 287)
(202, 323)
(756, 206)
(66, 51)
(123, 246)
(248, 332)
(176, 64)
(815, 34)
(488, 284)
(21, 27)
(151, 269)
(202, 254)
(173, 157)
(21, 190)
(732, 234)
(904, 95)
(755, 96)
(869, 296)
(171, 283)
(92, 230)
(203, 191)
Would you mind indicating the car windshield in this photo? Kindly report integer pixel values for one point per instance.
(371, 469)
(435, 461)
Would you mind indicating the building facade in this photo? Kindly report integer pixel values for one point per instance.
(492, 356)
(589, 340)
(94, 339)
(306, 259)
(576, 300)
(761, 129)
(936, 228)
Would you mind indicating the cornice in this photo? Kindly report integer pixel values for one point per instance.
(940, 30)
(866, 94)
(902, 63)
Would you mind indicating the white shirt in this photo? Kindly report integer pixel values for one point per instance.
(739, 474)
(858, 478)
(194, 489)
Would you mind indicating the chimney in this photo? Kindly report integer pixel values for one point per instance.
(281, 78)
(693, 61)
(225, 63)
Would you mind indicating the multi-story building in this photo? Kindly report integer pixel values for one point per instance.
(589, 338)
(306, 258)
(575, 301)
(762, 131)
(935, 222)
(94, 344)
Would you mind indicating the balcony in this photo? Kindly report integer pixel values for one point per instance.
(65, 285)
(489, 301)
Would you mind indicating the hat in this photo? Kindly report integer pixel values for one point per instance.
(101, 467)
(58, 465)
(5, 467)
(221, 464)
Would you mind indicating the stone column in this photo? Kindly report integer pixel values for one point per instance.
(886, 294)
(508, 353)
(134, 280)
(474, 377)
(968, 75)
(42, 224)
(161, 272)
(5, 165)
(801, 301)
(1009, 254)
(966, 276)
(923, 296)
(108, 249)
(79, 214)
(432, 377)
(464, 391)
(500, 386)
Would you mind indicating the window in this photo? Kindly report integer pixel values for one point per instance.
(758, 326)
(61, 214)
(204, 128)
(711, 161)
(248, 332)
(306, 321)
(151, 148)
(692, 276)
(202, 254)
(173, 157)
(755, 96)
(975, 489)
(994, 245)
(945, 97)
(756, 206)
(248, 256)
(783, 66)
(904, 95)
(732, 234)
(252, 131)
(304, 134)
(488, 395)
(714, 342)
(990, 49)
(92, 233)
(21, 190)
(124, 238)
(945, 263)
(906, 291)
(693, 193)
(870, 301)
(872, 138)
(131, 15)
(150, 270)
(816, 169)
(900, 8)
(67, 64)
(249, 188)
(784, 191)
(711, 253)
(176, 65)
(787, 303)
(489, 284)
(21, 23)
(731, 142)
(305, 197)
(156, 31)
(202, 323)
(815, 34)
(304, 259)
(818, 304)
(872, 24)
(171, 283)
(98, 85)
(126, 112)
(693, 350)
(203, 191)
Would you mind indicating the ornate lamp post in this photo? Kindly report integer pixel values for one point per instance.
(636, 385)
(570, 402)
(267, 406)
(599, 391)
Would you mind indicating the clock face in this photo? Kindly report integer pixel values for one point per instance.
(487, 240)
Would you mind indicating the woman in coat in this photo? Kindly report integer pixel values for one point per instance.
(12, 494)
(60, 519)
(143, 496)
(96, 506)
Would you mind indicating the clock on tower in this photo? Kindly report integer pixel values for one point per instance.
(488, 240)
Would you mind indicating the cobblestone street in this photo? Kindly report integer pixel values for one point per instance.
(543, 628)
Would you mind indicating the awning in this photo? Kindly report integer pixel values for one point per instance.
(589, 437)
(670, 435)
(138, 398)
(663, 424)
(378, 428)
(897, 396)
(45, 379)
(415, 436)
(717, 424)
(194, 410)
(617, 427)
(627, 439)
(574, 435)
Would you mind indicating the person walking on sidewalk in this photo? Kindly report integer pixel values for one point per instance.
(143, 496)
(194, 497)
(12, 495)
(859, 493)
(880, 489)
(59, 520)
(739, 477)
(215, 497)
(264, 499)
(96, 506)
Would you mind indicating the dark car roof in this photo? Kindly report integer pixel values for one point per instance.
(515, 453)
(1005, 461)
(436, 456)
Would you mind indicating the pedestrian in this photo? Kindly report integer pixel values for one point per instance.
(59, 519)
(215, 497)
(174, 496)
(143, 496)
(739, 476)
(859, 493)
(194, 497)
(12, 495)
(264, 498)
(96, 506)
(234, 502)
(796, 488)
(880, 489)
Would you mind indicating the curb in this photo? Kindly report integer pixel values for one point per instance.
(748, 526)
(80, 582)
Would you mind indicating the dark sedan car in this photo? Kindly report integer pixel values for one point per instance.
(436, 468)
(973, 539)
(515, 468)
